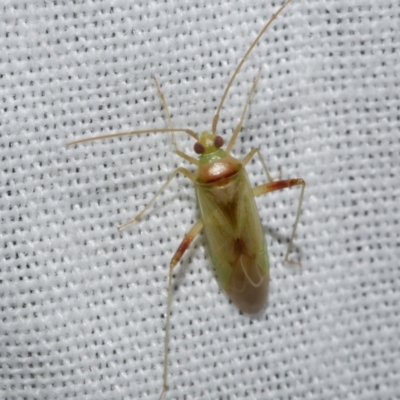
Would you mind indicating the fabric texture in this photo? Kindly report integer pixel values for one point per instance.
(83, 305)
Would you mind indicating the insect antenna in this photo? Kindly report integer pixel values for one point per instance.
(115, 135)
(239, 66)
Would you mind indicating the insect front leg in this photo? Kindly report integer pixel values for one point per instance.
(250, 155)
(184, 171)
(180, 153)
(187, 240)
(278, 185)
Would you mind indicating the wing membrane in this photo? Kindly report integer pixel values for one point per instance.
(234, 234)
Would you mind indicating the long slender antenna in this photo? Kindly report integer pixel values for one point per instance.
(267, 25)
(114, 135)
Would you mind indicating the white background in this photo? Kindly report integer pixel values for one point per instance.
(82, 305)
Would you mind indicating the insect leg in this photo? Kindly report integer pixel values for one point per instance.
(250, 155)
(238, 128)
(278, 185)
(189, 237)
(184, 171)
(180, 153)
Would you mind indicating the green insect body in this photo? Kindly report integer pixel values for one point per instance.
(235, 238)
(229, 215)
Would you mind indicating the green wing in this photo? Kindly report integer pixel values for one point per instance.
(234, 234)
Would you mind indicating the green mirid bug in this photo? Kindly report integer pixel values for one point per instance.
(229, 216)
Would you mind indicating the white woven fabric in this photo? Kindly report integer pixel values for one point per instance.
(82, 305)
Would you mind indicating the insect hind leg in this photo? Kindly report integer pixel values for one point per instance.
(187, 240)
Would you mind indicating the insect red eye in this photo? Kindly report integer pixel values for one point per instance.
(198, 148)
(218, 142)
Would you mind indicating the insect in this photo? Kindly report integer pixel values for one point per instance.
(229, 216)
